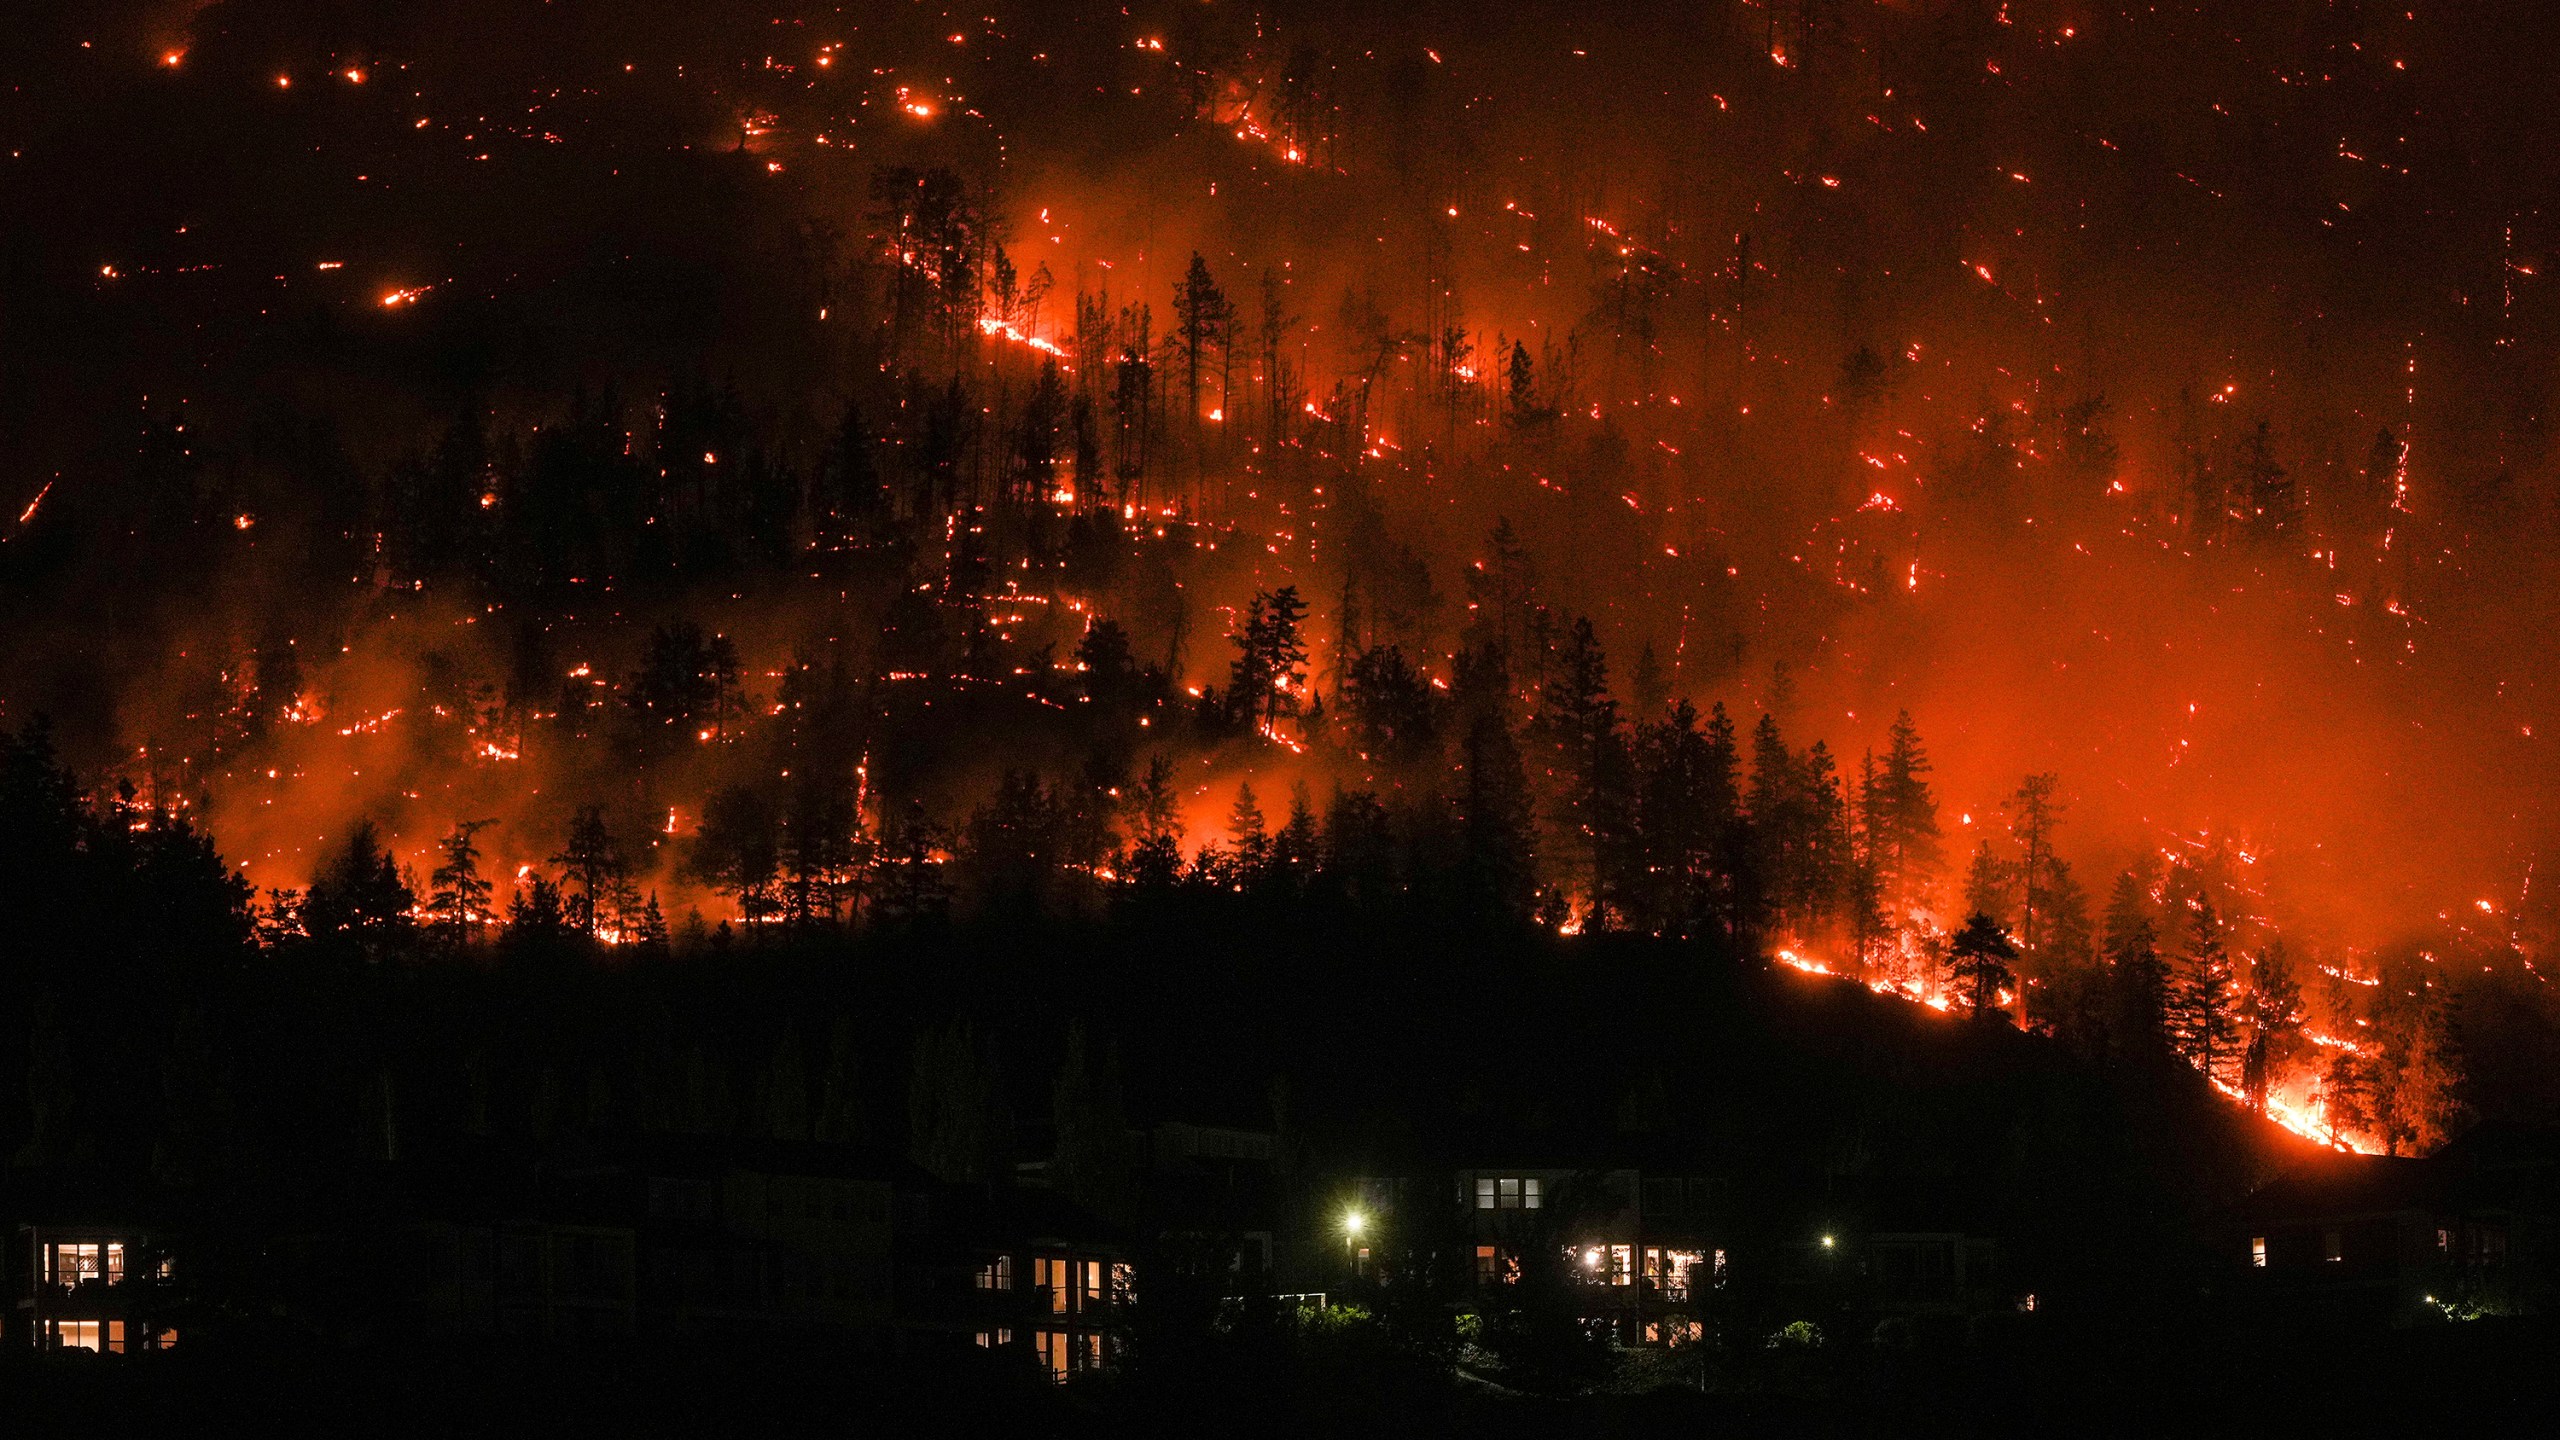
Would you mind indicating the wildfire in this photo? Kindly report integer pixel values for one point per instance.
(373, 726)
(990, 325)
(33, 505)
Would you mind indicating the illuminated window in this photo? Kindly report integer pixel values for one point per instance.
(1488, 1265)
(1510, 1193)
(82, 1334)
(1124, 1281)
(1051, 1346)
(78, 1264)
(1484, 1192)
(1622, 1264)
(1669, 1270)
(2258, 1251)
(1001, 1335)
(1530, 1192)
(1054, 1277)
(1092, 1287)
(996, 1274)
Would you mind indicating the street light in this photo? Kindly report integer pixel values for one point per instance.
(1353, 1223)
(1827, 1242)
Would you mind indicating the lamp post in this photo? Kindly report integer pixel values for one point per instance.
(1354, 1224)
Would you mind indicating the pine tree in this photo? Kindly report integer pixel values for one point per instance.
(2273, 509)
(1987, 884)
(1903, 821)
(1587, 767)
(536, 918)
(1682, 807)
(1828, 852)
(2140, 980)
(1863, 895)
(458, 902)
(1248, 836)
(360, 897)
(1502, 591)
(2034, 815)
(1268, 676)
(2417, 1100)
(2203, 1013)
(2273, 1016)
(1777, 823)
(851, 488)
(1497, 823)
(592, 863)
(1979, 958)
(1297, 848)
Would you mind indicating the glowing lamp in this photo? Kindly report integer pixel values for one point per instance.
(1353, 1222)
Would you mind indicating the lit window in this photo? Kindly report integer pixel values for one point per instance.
(996, 1274)
(1488, 1264)
(1051, 1346)
(1484, 1192)
(78, 1264)
(1054, 1277)
(1530, 1189)
(2258, 1251)
(1622, 1264)
(1510, 1193)
(77, 1334)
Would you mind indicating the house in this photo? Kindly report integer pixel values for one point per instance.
(2369, 1239)
(1017, 1269)
(88, 1287)
(1638, 1247)
(761, 1239)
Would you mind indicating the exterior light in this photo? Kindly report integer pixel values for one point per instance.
(1827, 1242)
(1353, 1222)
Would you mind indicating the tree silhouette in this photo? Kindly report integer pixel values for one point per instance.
(458, 903)
(1979, 957)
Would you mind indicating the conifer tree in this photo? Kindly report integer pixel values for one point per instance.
(2139, 978)
(458, 903)
(2273, 1020)
(1979, 960)
(2203, 1012)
